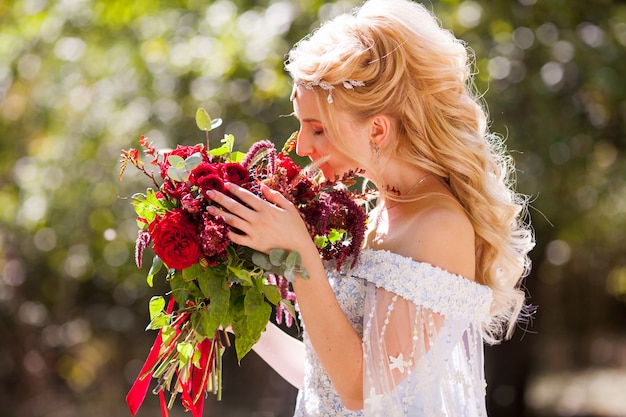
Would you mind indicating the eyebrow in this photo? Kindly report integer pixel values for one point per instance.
(310, 120)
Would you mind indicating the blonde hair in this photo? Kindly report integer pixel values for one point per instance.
(419, 74)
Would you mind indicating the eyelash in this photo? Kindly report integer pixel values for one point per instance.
(317, 132)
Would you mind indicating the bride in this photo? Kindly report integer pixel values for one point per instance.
(387, 91)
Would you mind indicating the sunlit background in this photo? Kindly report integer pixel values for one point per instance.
(82, 79)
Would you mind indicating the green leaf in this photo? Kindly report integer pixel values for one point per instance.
(176, 174)
(277, 256)
(237, 156)
(320, 241)
(176, 161)
(262, 260)
(290, 307)
(167, 333)
(257, 314)
(159, 321)
(293, 260)
(229, 142)
(272, 293)
(336, 235)
(157, 264)
(241, 274)
(156, 306)
(221, 151)
(203, 120)
(193, 272)
(185, 352)
(193, 161)
(215, 288)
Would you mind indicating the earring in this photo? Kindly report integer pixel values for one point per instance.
(376, 150)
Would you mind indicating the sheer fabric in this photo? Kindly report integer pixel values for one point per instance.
(422, 343)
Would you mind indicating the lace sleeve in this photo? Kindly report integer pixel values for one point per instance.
(422, 344)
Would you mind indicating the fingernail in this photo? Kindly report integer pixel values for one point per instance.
(210, 193)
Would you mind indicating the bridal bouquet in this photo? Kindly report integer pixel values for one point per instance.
(216, 284)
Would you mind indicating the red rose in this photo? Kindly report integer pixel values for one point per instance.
(287, 163)
(211, 182)
(235, 173)
(175, 241)
(203, 170)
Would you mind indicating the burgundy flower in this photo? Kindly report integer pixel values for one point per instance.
(211, 182)
(235, 173)
(203, 170)
(303, 191)
(214, 238)
(190, 203)
(175, 240)
(175, 189)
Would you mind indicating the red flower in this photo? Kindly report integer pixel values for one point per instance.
(203, 170)
(211, 182)
(235, 173)
(175, 240)
(292, 169)
(214, 238)
(175, 189)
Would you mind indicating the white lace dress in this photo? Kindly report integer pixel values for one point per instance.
(422, 343)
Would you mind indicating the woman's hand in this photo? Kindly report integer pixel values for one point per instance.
(263, 225)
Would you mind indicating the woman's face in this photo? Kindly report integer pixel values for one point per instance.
(313, 140)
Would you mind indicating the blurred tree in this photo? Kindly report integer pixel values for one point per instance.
(79, 80)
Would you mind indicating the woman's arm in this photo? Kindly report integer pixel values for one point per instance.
(285, 354)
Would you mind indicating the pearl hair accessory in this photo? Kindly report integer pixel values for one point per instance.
(347, 84)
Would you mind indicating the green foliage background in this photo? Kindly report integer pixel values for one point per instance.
(81, 79)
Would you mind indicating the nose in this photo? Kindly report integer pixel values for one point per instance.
(304, 144)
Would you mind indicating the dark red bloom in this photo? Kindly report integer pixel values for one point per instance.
(235, 173)
(203, 170)
(303, 192)
(175, 240)
(214, 238)
(211, 182)
(175, 189)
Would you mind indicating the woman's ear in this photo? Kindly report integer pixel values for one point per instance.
(380, 129)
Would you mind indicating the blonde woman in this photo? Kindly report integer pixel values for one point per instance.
(388, 91)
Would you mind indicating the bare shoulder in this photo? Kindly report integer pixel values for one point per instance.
(439, 232)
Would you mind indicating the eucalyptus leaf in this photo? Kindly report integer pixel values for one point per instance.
(176, 161)
(260, 259)
(293, 260)
(175, 174)
(203, 120)
(192, 161)
(277, 256)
